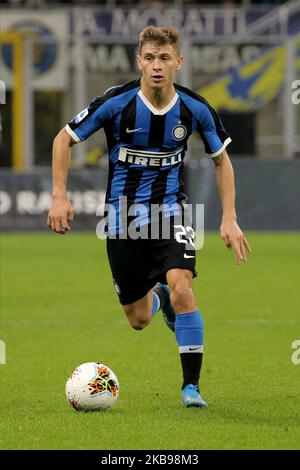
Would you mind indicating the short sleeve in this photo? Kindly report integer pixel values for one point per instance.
(211, 130)
(90, 119)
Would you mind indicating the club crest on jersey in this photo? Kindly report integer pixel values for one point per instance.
(179, 132)
(80, 116)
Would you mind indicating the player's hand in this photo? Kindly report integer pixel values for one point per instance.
(60, 214)
(235, 239)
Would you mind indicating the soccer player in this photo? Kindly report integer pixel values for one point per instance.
(147, 124)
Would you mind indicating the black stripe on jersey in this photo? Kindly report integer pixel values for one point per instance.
(181, 183)
(220, 129)
(100, 100)
(128, 122)
(186, 117)
(204, 139)
(132, 182)
(192, 94)
(110, 140)
(157, 130)
(111, 170)
(159, 187)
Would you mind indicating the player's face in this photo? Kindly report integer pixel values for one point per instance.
(159, 64)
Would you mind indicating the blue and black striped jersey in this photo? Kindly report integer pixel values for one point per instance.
(147, 146)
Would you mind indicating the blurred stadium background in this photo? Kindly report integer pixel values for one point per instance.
(242, 56)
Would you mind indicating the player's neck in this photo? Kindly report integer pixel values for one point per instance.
(158, 97)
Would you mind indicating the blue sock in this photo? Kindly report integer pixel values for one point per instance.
(189, 331)
(155, 303)
(189, 336)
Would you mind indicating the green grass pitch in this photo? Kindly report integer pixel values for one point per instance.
(59, 309)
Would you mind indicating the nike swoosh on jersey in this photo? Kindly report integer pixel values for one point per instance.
(188, 256)
(194, 349)
(133, 130)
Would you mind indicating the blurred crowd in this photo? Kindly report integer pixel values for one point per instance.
(46, 3)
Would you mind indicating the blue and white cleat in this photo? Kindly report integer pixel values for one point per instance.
(168, 314)
(192, 397)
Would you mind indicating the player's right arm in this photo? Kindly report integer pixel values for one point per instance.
(84, 124)
(61, 211)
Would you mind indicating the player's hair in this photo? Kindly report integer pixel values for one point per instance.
(160, 36)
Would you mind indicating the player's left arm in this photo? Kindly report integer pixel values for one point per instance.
(230, 231)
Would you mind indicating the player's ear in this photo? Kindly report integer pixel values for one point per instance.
(179, 62)
(138, 62)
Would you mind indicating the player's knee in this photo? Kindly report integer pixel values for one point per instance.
(138, 327)
(138, 323)
(182, 297)
(137, 319)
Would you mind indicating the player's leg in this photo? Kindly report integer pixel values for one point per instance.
(175, 249)
(129, 262)
(163, 293)
(175, 260)
(139, 313)
(189, 333)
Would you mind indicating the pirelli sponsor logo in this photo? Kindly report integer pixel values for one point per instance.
(151, 159)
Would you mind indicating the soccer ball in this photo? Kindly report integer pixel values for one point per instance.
(92, 387)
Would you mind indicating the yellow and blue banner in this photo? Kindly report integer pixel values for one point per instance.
(253, 84)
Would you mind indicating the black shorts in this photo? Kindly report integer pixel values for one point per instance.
(137, 265)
